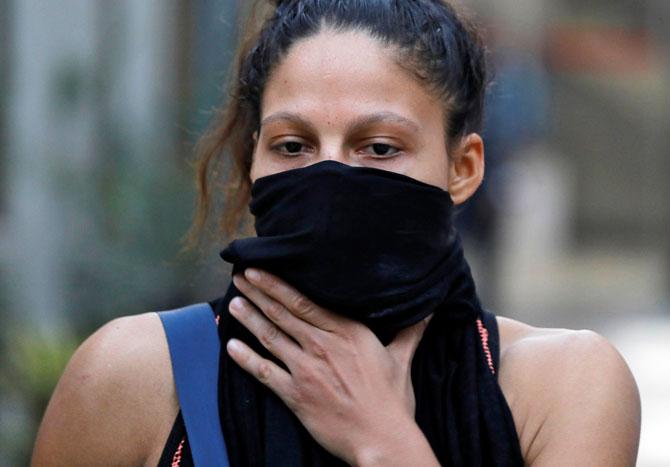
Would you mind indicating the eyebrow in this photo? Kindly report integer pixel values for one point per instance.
(362, 121)
(290, 116)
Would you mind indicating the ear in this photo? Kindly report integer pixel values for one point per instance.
(466, 168)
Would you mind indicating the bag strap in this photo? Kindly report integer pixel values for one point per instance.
(194, 350)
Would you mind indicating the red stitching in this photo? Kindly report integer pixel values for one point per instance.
(176, 459)
(484, 336)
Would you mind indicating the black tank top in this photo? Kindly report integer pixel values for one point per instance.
(177, 453)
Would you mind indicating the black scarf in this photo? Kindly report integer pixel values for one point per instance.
(378, 247)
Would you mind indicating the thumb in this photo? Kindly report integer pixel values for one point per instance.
(407, 340)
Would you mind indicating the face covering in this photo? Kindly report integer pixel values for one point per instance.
(378, 247)
(373, 245)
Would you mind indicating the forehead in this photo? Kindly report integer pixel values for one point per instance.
(337, 74)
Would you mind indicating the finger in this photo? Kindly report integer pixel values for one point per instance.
(275, 311)
(407, 340)
(265, 371)
(294, 301)
(272, 338)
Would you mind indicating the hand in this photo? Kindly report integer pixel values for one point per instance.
(346, 388)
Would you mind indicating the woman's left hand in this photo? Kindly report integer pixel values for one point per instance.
(353, 395)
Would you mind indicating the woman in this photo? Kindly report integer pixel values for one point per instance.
(352, 328)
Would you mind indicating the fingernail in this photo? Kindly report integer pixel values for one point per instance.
(234, 346)
(236, 304)
(252, 274)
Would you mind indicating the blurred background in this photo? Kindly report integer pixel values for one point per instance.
(101, 103)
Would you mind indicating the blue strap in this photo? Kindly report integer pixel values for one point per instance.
(194, 349)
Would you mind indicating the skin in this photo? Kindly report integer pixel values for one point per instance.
(572, 396)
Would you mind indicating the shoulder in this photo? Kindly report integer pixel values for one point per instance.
(114, 398)
(572, 395)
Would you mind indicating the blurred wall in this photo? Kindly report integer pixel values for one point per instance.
(578, 131)
(101, 104)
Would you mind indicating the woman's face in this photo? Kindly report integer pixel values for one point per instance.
(341, 96)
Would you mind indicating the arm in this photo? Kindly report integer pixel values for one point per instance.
(104, 408)
(581, 404)
(352, 394)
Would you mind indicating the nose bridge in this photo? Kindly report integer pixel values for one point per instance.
(333, 148)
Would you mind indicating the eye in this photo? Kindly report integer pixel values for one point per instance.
(382, 150)
(291, 148)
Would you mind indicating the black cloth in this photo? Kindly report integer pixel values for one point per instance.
(378, 247)
(177, 446)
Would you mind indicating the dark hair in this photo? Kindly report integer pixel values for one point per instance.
(434, 42)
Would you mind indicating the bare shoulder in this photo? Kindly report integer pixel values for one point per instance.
(572, 395)
(115, 401)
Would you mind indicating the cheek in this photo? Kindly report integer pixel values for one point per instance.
(253, 172)
(259, 167)
(439, 175)
(433, 167)
(263, 164)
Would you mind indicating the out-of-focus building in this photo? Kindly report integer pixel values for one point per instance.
(584, 206)
(583, 237)
(100, 104)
